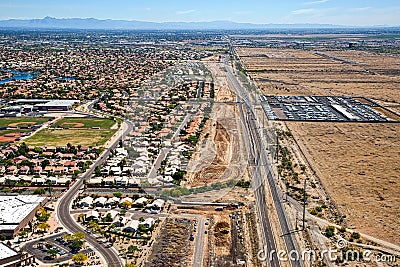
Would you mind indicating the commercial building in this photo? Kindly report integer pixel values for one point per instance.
(12, 258)
(16, 212)
(46, 104)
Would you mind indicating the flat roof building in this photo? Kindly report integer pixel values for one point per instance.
(16, 212)
(12, 258)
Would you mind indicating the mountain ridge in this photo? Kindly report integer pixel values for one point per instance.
(92, 23)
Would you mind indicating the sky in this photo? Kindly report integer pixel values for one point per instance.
(339, 12)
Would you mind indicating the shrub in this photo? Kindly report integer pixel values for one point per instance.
(329, 231)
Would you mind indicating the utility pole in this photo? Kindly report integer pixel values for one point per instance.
(304, 204)
(277, 148)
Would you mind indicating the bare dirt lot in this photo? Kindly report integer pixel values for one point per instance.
(218, 156)
(299, 72)
(173, 245)
(358, 164)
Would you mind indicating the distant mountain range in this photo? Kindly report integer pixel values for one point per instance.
(97, 24)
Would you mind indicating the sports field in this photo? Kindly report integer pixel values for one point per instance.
(61, 137)
(84, 123)
(21, 121)
(13, 134)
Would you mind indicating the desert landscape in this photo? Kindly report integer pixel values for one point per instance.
(356, 162)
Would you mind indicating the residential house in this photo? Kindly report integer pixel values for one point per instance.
(156, 205)
(148, 223)
(86, 201)
(100, 201)
(131, 227)
(92, 215)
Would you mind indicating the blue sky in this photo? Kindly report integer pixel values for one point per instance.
(342, 12)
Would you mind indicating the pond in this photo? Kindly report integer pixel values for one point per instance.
(19, 76)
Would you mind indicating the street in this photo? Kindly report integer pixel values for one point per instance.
(66, 219)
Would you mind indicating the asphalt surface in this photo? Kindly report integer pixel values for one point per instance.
(63, 208)
(199, 245)
(259, 159)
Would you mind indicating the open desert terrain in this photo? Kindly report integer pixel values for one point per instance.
(337, 73)
(356, 162)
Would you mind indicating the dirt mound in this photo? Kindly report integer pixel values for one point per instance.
(221, 160)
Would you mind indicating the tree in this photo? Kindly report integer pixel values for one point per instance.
(93, 225)
(45, 163)
(52, 252)
(43, 226)
(23, 233)
(77, 244)
(122, 163)
(330, 231)
(42, 215)
(79, 236)
(81, 217)
(39, 191)
(79, 258)
(126, 204)
(97, 171)
(132, 248)
(68, 237)
(117, 194)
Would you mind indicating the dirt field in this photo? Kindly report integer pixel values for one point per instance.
(173, 246)
(358, 164)
(9, 137)
(298, 72)
(218, 155)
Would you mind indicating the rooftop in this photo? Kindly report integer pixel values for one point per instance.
(6, 252)
(13, 209)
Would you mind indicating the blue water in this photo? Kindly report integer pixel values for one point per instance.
(19, 76)
(66, 79)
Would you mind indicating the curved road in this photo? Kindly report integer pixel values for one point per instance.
(63, 208)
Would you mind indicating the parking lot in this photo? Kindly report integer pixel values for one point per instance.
(321, 108)
(39, 248)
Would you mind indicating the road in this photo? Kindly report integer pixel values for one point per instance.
(259, 159)
(63, 207)
(165, 150)
(199, 246)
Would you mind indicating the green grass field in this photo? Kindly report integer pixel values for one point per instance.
(84, 137)
(4, 122)
(84, 123)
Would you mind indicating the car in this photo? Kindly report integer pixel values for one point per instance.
(191, 238)
(206, 231)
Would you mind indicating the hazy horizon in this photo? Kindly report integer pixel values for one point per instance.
(338, 12)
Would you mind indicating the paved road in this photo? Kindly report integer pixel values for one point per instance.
(199, 245)
(63, 208)
(165, 150)
(259, 159)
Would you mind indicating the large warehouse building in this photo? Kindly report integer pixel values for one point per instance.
(46, 104)
(16, 212)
